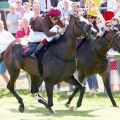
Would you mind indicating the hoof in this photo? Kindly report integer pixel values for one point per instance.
(52, 111)
(67, 105)
(21, 108)
(115, 106)
(72, 108)
(78, 106)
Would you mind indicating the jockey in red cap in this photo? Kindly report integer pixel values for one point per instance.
(54, 12)
(41, 28)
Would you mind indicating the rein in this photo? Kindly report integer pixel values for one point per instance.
(59, 57)
(108, 44)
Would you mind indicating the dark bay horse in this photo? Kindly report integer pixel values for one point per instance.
(91, 59)
(56, 65)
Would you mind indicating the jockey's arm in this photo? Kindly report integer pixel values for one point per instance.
(47, 31)
(61, 24)
(23, 40)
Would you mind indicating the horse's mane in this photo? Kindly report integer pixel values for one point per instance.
(54, 41)
(81, 43)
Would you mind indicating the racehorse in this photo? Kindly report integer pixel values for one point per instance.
(91, 59)
(56, 64)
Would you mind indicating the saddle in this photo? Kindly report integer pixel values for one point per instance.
(34, 50)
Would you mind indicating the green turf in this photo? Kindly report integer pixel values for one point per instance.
(94, 107)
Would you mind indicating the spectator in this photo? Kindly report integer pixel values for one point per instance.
(65, 11)
(82, 3)
(103, 7)
(111, 9)
(44, 5)
(117, 13)
(60, 4)
(6, 38)
(36, 10)
(12, 20)
(24, 31)
(11, 1)
(3, 72)
(19, 7)
(100, 26)
(93, 83)
(82, 6)
(28, 13)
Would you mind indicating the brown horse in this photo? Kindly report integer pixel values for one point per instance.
(56, 64)
(91, 59)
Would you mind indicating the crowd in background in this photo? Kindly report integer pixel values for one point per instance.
(102, 14)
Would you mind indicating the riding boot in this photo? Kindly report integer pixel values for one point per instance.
(36, 50)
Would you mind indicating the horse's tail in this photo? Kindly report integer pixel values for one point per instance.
(10, 55)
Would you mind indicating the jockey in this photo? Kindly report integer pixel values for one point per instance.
(40, 29)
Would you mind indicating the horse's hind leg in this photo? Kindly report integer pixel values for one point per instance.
(78, 86)
(10, 86)
(105, 77)
(71, 97)
(36, 82)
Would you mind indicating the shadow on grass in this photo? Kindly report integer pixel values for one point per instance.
(41, 111)
(6, 93)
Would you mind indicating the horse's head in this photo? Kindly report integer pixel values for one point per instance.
(113, 38)
(83, 28)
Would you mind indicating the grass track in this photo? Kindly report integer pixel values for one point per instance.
(94, 107)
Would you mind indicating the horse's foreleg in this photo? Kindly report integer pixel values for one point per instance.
(78, 86)
(71, 97)
(49, 90)
(10, 86)
(106, 79)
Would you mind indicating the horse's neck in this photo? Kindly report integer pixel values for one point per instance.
(67, 45)
(101, 46)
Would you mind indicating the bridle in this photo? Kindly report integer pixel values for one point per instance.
(113, 44)
(59, 57)
(110, 45)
